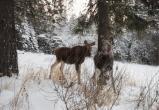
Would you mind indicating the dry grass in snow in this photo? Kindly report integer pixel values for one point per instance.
(137, 87)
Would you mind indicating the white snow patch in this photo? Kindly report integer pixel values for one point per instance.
(41, 95)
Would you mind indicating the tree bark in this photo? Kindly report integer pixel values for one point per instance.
(104, 57)
(8, 45)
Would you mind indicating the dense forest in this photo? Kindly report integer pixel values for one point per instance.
(133, 24)
(109, 32)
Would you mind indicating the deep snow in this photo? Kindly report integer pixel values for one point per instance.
(40, 94)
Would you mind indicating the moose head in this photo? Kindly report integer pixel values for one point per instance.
(88, 48)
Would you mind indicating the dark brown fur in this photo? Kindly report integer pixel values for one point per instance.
(75, 55)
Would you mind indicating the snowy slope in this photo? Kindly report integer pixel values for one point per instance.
(35, 94)
(142, 74)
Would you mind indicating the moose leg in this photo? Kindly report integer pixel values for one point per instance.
(95, 76)
(61, 69)
(78, 69)
(62, 66)
(52, 66)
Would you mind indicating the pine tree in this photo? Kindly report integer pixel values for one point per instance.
(42, 14)
(8, 53)
(111, 17)
(104, 57)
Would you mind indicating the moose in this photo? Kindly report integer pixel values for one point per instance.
(75, 55)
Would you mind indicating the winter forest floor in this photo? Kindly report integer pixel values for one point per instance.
(32, 90)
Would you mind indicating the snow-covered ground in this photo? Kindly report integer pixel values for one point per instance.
(32, 90)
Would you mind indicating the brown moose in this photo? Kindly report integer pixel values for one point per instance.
(75, 55)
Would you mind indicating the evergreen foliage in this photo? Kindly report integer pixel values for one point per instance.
(42, 14)
(136, 15)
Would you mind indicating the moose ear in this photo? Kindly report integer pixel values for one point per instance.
(85, 42)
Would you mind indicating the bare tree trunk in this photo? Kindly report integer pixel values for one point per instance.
(104, 57)
(8, 53)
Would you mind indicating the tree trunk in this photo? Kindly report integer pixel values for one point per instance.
(104, 57)
(8, 53)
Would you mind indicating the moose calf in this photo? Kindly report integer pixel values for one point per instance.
(75, 55)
